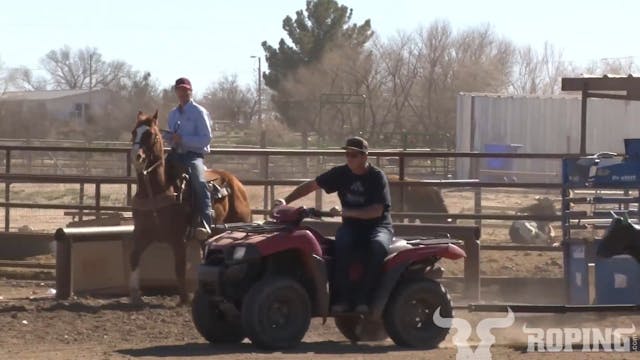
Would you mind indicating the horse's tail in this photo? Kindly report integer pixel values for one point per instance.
(238, 190)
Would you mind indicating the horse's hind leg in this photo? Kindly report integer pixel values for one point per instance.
(180, 261)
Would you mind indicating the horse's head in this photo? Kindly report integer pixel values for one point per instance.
(147, 147)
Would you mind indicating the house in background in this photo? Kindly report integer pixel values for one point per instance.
(55, 105)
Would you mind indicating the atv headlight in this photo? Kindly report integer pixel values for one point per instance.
(239, 252)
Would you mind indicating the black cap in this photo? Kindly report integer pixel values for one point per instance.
(357, 143)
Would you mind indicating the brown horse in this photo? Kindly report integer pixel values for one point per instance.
(426, 199)
(158, 215)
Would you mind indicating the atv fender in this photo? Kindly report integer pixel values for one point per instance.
(389, 281)
(317, 268)
(397, 264)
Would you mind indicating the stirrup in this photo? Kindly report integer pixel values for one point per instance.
(201, 233)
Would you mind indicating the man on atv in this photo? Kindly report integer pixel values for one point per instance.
(189, 137)
(366, 229)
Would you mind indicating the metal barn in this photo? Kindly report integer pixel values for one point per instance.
(541, 124)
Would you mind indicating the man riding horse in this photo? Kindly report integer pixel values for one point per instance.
(160, 211)
(189, 136)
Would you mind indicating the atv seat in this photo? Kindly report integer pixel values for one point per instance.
(398, 244)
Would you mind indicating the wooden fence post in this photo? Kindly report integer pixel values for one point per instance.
(472, 270)
(64, 277)
(7, 191)
(128, 173)
(264, 167)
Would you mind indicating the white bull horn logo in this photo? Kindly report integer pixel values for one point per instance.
(463, 332)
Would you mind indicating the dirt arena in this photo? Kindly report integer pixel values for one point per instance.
(35, 326)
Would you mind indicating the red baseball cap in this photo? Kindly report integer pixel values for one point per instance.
(183, 82)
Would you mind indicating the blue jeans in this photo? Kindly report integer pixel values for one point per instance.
(195, 163)
(371, 246)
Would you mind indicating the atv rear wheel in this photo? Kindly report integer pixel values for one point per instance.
(212, 323)
(276, 313)
(408, 316)
(357, 328)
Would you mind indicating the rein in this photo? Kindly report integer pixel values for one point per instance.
(147, 182)
(150, 169)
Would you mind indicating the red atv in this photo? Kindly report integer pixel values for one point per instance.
(266, 282)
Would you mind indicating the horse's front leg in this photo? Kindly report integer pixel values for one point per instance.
(180, 261)
(139, 245)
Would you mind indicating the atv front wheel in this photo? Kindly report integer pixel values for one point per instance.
(356, 328)
(276, 313)
(408, 316)
(212, 323)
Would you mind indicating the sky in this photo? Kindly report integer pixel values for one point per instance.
(204, 40)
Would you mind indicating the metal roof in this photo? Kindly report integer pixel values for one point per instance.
(42, 95)
(521, 96)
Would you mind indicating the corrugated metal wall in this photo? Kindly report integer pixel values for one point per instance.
(543, 124)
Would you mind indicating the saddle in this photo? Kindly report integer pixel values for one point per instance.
(217, 187)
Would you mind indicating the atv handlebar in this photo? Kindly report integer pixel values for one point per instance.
(313, 212)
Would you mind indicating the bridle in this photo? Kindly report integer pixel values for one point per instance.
(148, 169)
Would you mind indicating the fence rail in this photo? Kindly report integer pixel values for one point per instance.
(263, 176)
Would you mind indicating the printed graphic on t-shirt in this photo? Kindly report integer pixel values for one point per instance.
(355, 194)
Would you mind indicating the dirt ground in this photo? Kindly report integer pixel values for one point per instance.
(34, 326)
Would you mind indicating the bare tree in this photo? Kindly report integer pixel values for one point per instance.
(613, 66)
(4, 78)
(538, 73)
(483, 60)
(391, 83)
(417, 76)
(438, 66)
(23, 78)
(82, 69)
(414, 78)
(226, 99)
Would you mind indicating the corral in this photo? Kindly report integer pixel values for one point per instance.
(108, 327)
(499, 269)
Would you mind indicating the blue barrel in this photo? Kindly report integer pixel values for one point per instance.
(497, 164)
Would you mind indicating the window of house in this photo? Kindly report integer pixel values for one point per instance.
(80, 110)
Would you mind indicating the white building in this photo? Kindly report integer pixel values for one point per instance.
(63, 105)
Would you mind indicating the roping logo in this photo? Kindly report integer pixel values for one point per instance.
(581, 339)
(463, 332)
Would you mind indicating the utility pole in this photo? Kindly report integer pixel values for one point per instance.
(84, 111)
(259, 90)
(90, 70)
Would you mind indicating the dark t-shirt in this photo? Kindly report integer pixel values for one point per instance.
(359, 191)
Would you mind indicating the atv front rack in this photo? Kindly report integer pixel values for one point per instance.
(253, 228)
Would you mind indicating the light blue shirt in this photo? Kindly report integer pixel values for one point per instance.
(193, 123)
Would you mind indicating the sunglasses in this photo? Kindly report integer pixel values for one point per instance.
(352, 155)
